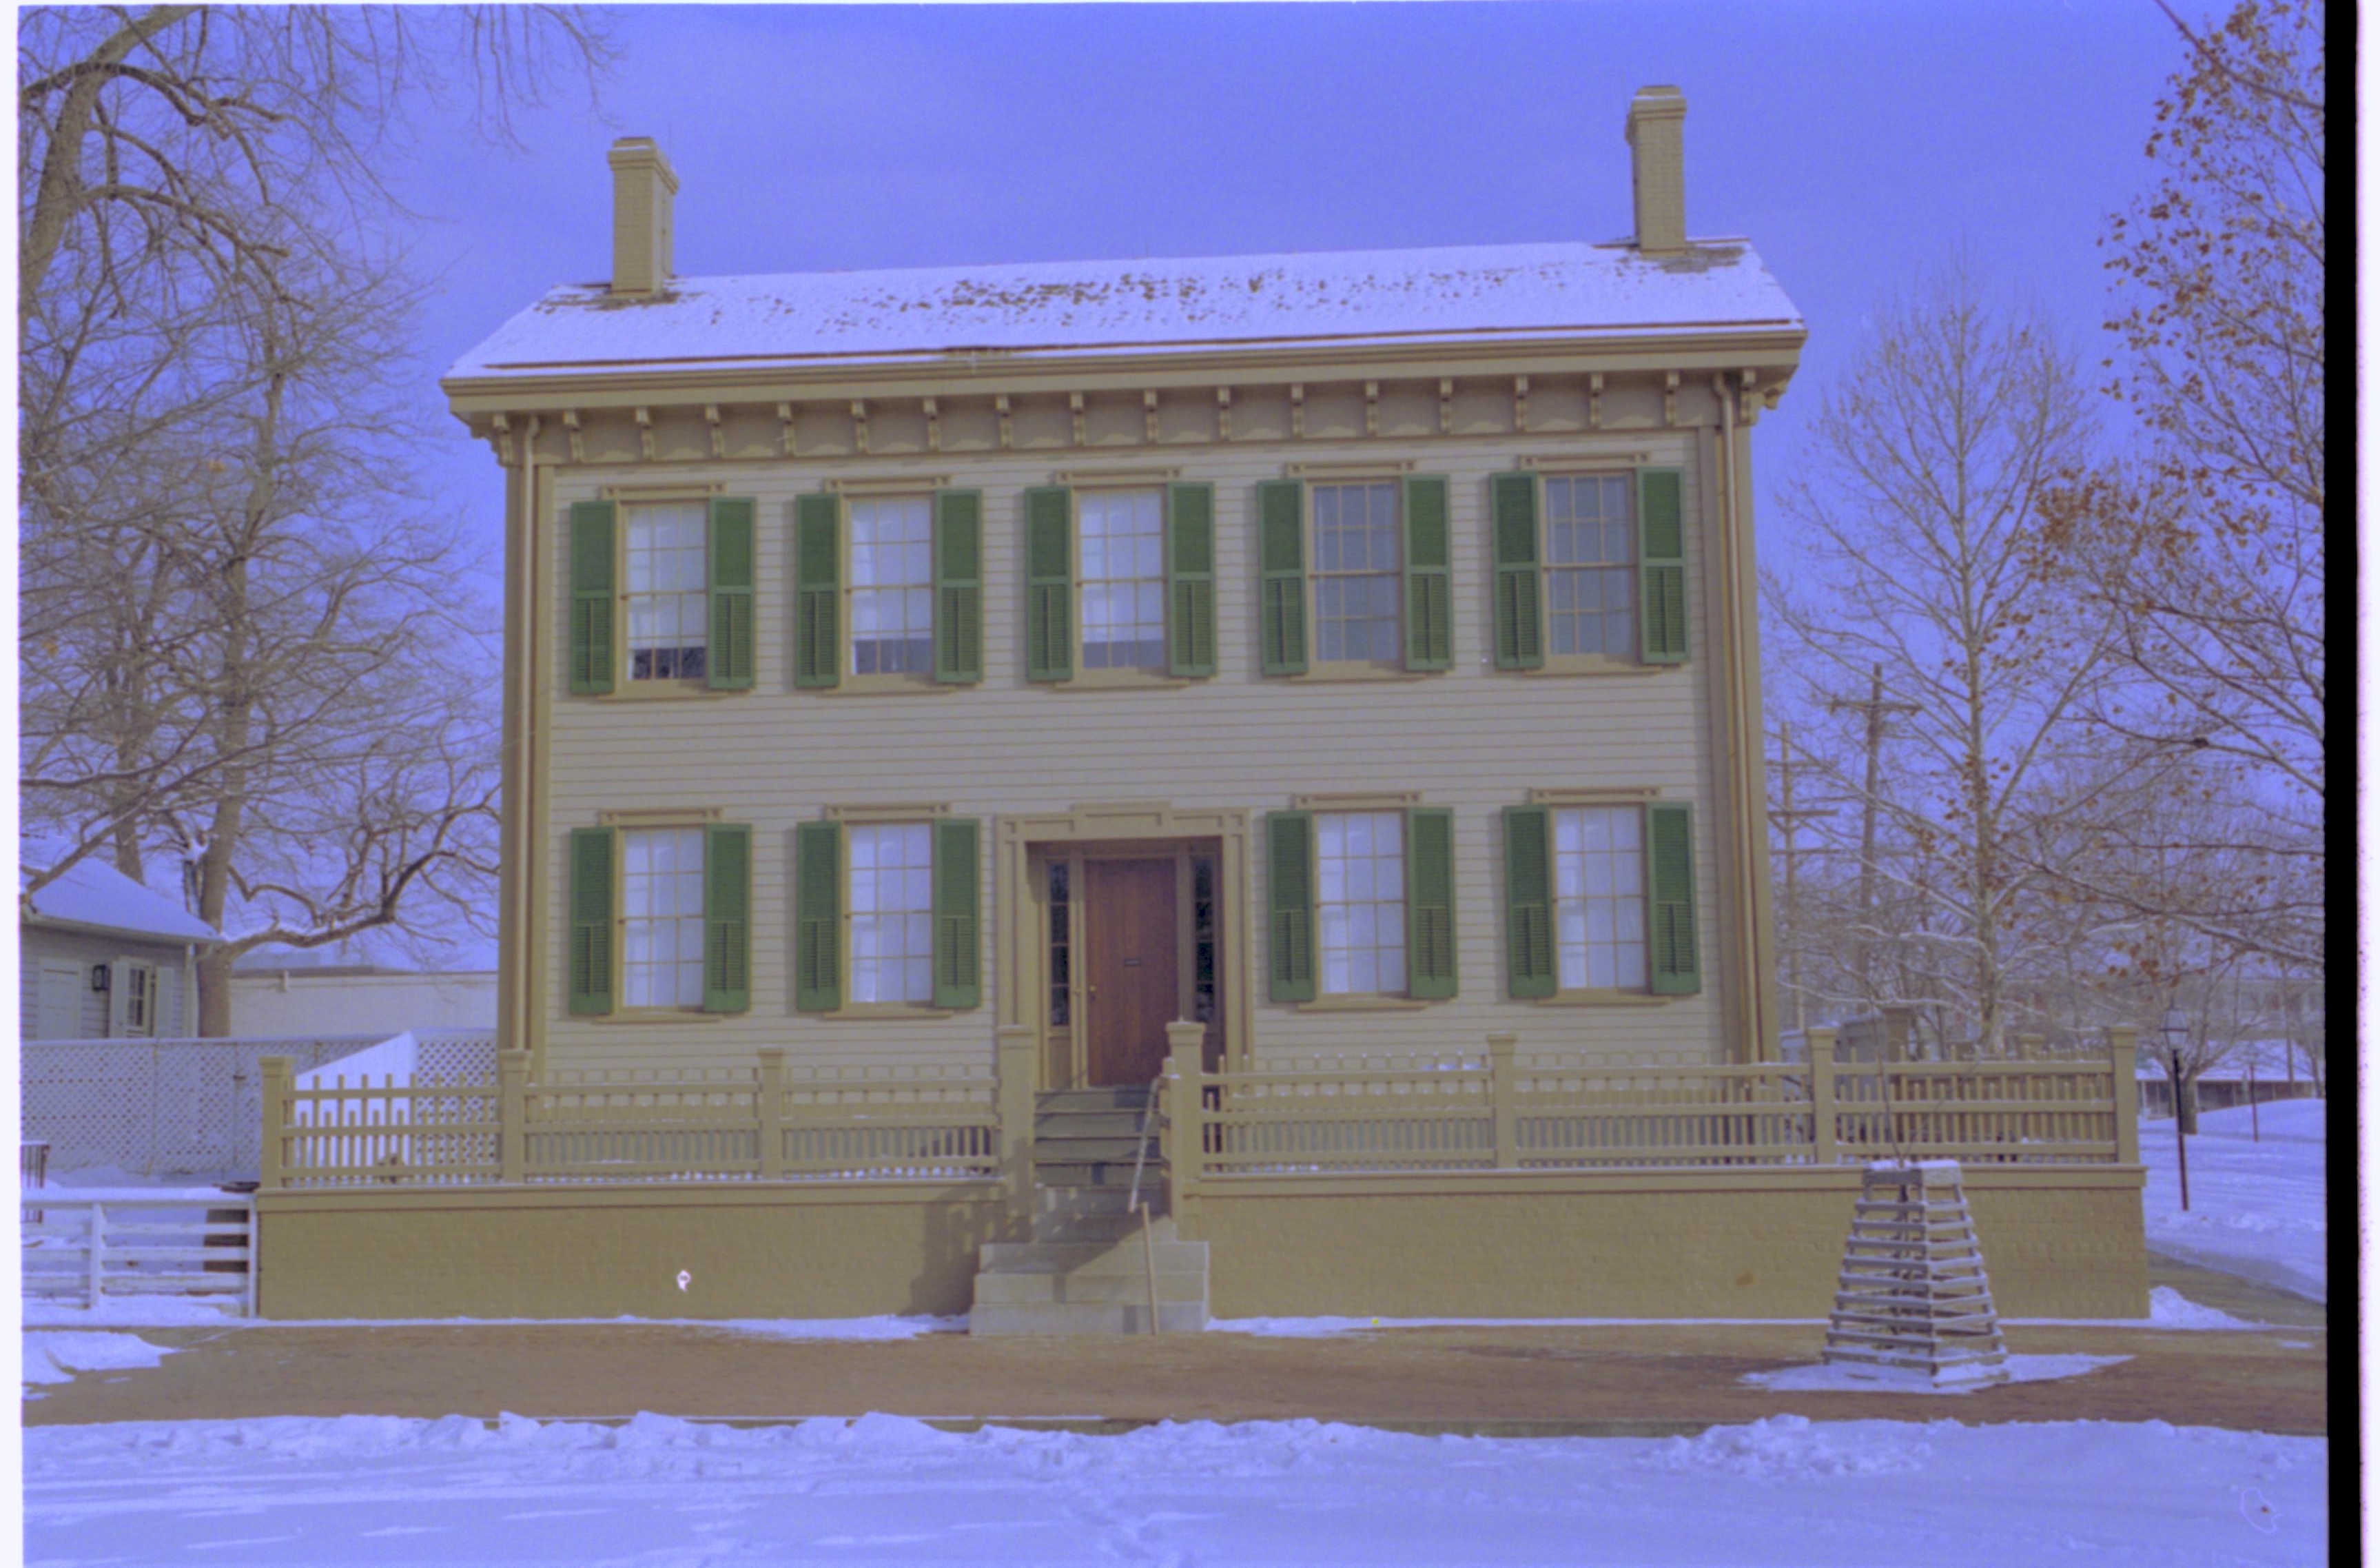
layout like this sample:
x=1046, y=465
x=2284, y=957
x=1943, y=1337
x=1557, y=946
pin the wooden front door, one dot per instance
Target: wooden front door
x=1134, y=959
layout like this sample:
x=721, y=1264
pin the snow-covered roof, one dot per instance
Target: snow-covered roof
x=1140, y=306
x=95, y=894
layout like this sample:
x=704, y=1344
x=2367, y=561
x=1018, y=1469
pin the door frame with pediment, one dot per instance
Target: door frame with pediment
x=1028, y=844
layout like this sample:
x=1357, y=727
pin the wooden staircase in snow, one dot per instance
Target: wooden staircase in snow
x=1912, y=1303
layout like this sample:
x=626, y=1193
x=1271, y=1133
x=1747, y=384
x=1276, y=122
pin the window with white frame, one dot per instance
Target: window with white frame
x=1600, y=897
x=138, y=1001
x=667, y=575
x=892, y=913
x=1360, y=859
x=661, y=901
x=1591, y=565
x=892, y=586
x=1358, y=572
x=1123, y=579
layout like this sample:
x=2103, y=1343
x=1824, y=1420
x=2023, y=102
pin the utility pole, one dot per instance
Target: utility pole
x=1875, y=708
x=1789, y=817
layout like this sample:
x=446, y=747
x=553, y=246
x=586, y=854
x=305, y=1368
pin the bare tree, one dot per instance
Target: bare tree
x=2205, y=551
x=1911, y=524
x=246, y=643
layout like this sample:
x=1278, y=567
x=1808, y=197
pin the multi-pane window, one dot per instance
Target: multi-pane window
x=1361, y=859
x=668, y=565
x=1591, y=565
x=140, y=982
x=661, y=902
x=1600, y=897
x=892, y=586
x=1061, y=947
x=1123, y=581
x=1358, y=576
x=892, y=913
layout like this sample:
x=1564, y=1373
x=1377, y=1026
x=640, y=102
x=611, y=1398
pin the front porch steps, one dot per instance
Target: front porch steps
x=1086, y=1270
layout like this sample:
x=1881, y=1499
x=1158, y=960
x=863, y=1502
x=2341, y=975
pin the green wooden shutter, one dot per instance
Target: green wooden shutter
x=958, y=924
x=593, y=604
x=1674, y=954
x=1429, y=581
x=818, y=917
x=593, y=852
x=1519, y=628
x=1529, y=900
x=1190, y=578
x=1430, y=902
x=1280, y=548
x=1289, y=893
x=817, y=590
x=1661, y=569
x=958, y=587
x=1048, y=583
x=733, y=572
x=726, y=918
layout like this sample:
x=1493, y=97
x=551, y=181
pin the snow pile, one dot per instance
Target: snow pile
x=55, y=1359
x=2257, y=1210
x=134, y=1312
x=1834, y=1378
x=1785, y=1492
x=2168, y=1309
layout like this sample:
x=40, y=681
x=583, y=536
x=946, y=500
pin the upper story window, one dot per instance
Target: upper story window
x=1123, y=579
x=1358, y=574
x=892, y=586
x=893, y=913
x=1591, y=567
x=662, y=594
x=888, y=591
x=666, y=574
x=1353, y=574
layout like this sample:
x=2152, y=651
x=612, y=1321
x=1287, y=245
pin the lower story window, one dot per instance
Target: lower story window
x=1600, y=897
x=140, y=982
x=1360, y=857
x=892, y=913
x=661, y=901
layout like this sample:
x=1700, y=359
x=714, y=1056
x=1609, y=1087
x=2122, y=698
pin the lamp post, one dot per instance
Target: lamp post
x=2176, y=1030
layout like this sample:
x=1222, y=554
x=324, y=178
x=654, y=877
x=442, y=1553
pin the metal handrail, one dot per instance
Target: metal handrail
x=1132, y=1204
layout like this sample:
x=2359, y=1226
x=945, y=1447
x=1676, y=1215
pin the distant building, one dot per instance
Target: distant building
x=100, y=955
x=276, y=995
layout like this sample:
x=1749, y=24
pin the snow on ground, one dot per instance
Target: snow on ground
x=56, y=1358
x=1315, y=1328
x=1833, y=1377
x=656, y=1491
x=2256, y=1208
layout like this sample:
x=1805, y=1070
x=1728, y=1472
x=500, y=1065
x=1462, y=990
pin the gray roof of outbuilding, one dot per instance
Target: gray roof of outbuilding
x=1139, y=306
x=95, y=894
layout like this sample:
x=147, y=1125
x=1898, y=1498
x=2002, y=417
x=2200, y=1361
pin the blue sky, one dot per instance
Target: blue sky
x=1853, y=142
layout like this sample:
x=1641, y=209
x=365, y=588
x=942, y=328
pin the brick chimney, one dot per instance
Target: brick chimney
x=643, y=186
x=1656, y=124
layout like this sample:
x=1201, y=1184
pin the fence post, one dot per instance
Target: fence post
x=1013, y=1102
x=1186, y=1109
x=769, y=1111
x=2123, y=1041
x=512, y=1115
x=2029, y=1047
x=1502, y=1087
x=1824, y=1150
x=271, y=1155
x=98, y=1246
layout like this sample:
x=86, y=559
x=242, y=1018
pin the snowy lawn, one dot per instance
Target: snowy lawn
x=884, y=1489
x=2256, y=1210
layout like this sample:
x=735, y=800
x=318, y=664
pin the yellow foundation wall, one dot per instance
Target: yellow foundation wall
x=1699, y=1245
x=749, y=1252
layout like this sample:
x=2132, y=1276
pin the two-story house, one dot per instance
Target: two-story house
x=1349, y=652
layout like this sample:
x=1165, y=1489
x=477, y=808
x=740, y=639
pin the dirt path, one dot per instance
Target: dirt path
x=1640, y=1378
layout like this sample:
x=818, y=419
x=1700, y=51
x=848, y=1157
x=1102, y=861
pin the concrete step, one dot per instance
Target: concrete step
x=1011, y=1289
x=1092, y=1151
x=1085, y=1200
x=1067, y=1318
x=1086, y=1124
x=1116, y=1174
x=1074, y=1099
x=1122, y=1256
